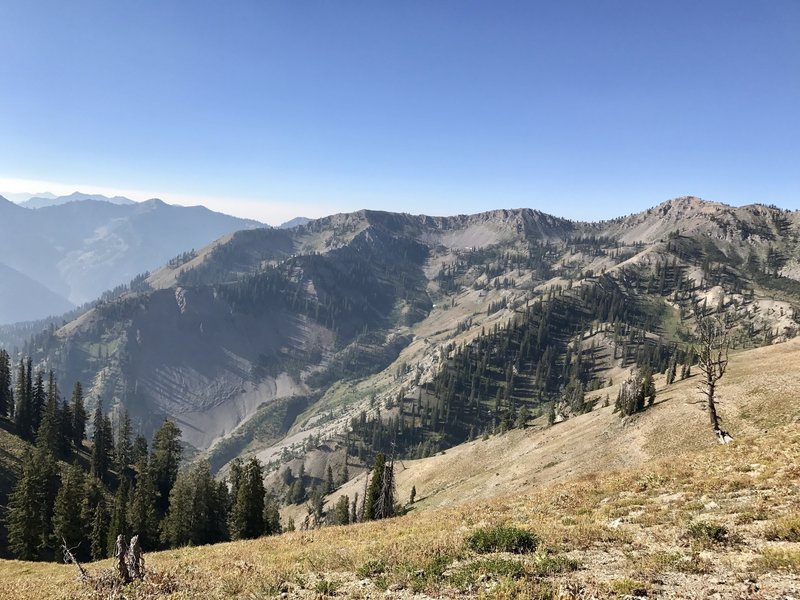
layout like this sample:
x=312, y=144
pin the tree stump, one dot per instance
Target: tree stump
x=135, y=559
x=120, y=559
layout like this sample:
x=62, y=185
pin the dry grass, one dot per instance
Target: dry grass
x=615, y=533
x=590, y=531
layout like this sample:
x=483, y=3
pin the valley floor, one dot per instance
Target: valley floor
x=651, y=508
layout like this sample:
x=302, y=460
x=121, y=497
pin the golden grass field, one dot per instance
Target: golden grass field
x=654, y=508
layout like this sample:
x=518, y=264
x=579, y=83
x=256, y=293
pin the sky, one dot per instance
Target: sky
x=271, y=110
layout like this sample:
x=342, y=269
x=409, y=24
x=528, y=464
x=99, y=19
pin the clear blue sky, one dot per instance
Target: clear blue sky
x=584, y=109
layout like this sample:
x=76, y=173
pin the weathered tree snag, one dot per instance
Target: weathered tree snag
x=713, y=335
x=120, y=559
x=135, y=559
x=69, y=557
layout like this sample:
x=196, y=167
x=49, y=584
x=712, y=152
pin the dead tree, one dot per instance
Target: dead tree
x=120, y=559
x=69, y=557
x=135, y=559
x=713, y=343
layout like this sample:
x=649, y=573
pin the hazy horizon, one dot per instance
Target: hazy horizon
x=274, y=110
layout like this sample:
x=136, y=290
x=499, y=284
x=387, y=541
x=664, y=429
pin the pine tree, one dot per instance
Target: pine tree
x=329, y=485
x=23, y=516
x=29, y=516
x=140, y=451
x=218, y=513
x=123, y=450
x=95, y=514
x=341, y=513
x=297, y=493
x=374, y=491
x=6, y=393
x=100, y=458
x=142, y=516
x=65, y=422
x=179, y=527
x=47, y=436
x=196, y=511
x=38, y=401
x=118, y=524
x=22, y=414
x=79, y=416
x=68, y=524
x=165, y=460
x=272, y=515
x=247, y=518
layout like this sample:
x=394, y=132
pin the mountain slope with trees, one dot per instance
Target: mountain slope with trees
x=378, y=332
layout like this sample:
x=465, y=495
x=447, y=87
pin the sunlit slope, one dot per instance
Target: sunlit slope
x=648, y=527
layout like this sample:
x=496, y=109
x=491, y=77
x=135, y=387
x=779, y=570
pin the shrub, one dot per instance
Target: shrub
x=502, y=538
x=786, y=529
x=707, y=533
x=544, y=564
x=467, y=577
x=371, y=568
x=779, y=559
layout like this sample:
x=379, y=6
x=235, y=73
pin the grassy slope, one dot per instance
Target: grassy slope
x=610, y=531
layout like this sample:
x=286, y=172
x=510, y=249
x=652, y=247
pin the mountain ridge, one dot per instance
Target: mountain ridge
x=37, y=202
x=370, y=291
x=81, y=249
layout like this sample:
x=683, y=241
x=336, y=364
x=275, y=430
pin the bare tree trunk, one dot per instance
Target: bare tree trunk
x=120, y=559
x=70, y=558
x=712, y=407
x=135, y=559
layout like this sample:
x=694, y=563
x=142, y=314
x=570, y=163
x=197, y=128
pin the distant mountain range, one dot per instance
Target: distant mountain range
x=69, y=252
x=20, y=197
x=50, y=200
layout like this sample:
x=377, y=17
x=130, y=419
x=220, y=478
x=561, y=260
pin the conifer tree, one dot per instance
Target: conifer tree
x=140, y=451
x=22, y=414
x=118, y=524
x=374, y=491
x=123, y=450
x=165, y=460
x=47, y=436
x=272, y=515
x=6, y=394
x=329, y=485
x=79, y=416
x=29, y=516
x=100, y=458
x=65, y=421
x=142, y=516
x=234, y=478
x=247, y=519
x=341, y=513
x=196, y=511
x=23, y=517
x=38, y=401
x=95, y=514
x=68, y=524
